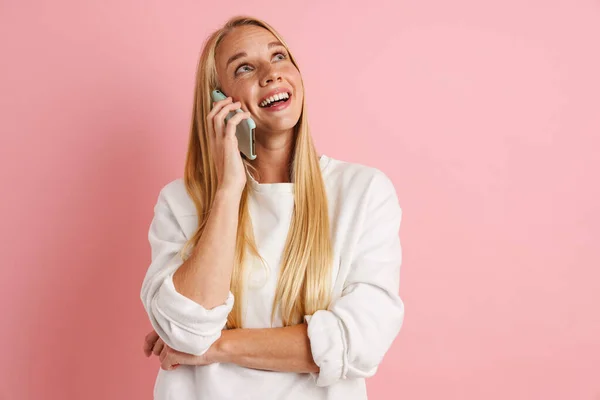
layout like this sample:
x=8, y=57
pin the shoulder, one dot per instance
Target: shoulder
x=174, y=195
x=357, y=179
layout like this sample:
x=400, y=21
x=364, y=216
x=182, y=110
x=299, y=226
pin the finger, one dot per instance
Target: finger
x=217, y=106
x=217, y=124
x=169, y=367
x=219, y=119
x=234, y=122
x=151, y=337
x=149, y=342
x=147, y=349
x=166, y=361
x=158, y=347
x=163, y=353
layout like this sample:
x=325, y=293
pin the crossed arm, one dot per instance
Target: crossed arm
x=347, y=340
x=273, y=349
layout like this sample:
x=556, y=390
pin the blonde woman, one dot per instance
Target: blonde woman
x=275, y=278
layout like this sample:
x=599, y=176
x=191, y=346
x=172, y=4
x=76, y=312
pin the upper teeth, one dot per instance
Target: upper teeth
x=278, y=96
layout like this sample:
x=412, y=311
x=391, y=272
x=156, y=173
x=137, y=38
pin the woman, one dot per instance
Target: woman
x=275, y=278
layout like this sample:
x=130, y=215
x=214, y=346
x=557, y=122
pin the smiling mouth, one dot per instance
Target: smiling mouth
x=276, y=99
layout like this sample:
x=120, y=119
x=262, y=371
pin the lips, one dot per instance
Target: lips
x=277, y=106
x=272, y=93
x=276, y=101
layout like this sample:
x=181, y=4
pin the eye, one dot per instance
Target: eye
x=284, y=56
x=242, y=67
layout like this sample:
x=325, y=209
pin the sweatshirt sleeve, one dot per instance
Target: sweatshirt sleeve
x=183, y=324
x=350, y=338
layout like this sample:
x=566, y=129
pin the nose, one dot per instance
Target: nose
x=272, y=75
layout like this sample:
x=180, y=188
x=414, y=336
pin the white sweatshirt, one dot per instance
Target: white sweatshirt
x=348, y=340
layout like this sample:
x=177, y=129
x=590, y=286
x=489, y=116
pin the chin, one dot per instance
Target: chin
x=280, y=123
x=284, y=124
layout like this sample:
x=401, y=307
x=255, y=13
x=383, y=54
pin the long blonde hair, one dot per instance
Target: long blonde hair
x=304, y=279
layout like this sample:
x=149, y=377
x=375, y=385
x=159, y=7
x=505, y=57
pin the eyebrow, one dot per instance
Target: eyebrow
x=244, y=54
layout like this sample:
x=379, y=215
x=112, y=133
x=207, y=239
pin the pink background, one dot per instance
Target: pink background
x=486, y=115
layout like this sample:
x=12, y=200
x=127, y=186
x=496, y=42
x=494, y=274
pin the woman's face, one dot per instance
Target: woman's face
x=252, y=66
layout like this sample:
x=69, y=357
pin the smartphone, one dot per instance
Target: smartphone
x=244, y=131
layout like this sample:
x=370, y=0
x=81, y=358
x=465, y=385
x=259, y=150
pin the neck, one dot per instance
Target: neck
x=274, y=156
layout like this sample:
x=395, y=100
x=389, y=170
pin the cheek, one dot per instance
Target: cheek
x=296, y=78
x=299, y=90
x=296, y=81
x=242, y=91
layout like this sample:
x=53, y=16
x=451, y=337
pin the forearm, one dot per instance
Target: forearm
x=205, y=276
x=273, y=349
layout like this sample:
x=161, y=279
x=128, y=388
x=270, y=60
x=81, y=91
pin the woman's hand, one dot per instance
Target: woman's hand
x=152, y=344
x=231, y=172
x=170, y=358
